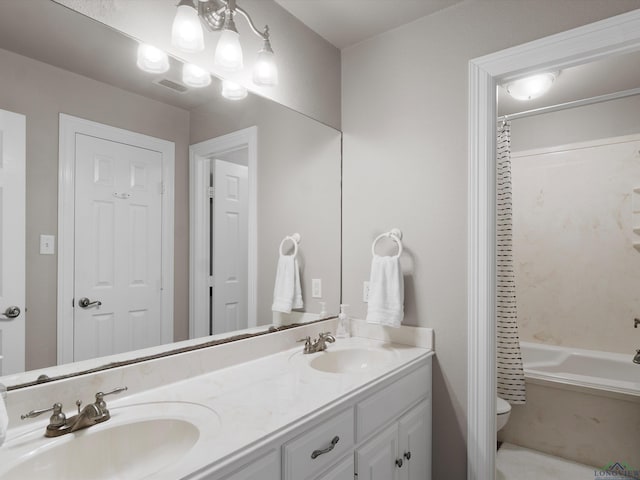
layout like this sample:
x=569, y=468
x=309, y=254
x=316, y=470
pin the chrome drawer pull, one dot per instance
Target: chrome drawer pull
x=334, y=442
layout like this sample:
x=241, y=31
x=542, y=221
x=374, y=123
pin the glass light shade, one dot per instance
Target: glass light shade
x=233, y=91
x=229, y=51
x=152, y=59
x=186, y=32
x=531, y=87
x=194, y=76
x=265, y=70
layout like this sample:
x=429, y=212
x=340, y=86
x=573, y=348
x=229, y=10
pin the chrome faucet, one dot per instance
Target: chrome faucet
x=318, y=345
x=90, y=415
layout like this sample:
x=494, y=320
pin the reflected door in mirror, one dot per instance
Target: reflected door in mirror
x=12, y=237
x=118, y=247
x=230, y=246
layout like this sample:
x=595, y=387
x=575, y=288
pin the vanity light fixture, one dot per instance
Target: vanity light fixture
x=233, y=91
x=531, y=87
x=218, y=16
x=186, y=32
x=152, y=59
x=194, y=76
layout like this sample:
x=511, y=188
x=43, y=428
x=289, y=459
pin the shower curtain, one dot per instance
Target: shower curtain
x=510, y=381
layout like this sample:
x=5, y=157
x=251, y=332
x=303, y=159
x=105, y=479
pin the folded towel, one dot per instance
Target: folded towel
x=287, y=293
x=4, y=418
x=386, y=292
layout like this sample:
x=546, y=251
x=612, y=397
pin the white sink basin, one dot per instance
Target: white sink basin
x=352, y=360
x=139, y=441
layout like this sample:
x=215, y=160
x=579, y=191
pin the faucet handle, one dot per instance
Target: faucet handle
x=305, y=339
x=101, y=404
x=57, y=418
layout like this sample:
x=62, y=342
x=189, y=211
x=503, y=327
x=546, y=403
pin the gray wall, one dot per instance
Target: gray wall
x=298, y=191
x=309, y=66
x=601, y=120
x=42, y=92
x=404, y=123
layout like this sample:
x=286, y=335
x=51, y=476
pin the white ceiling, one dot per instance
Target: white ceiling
x=347, y=22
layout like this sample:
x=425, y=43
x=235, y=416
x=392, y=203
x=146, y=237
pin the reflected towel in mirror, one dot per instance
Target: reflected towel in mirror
x=287, y=294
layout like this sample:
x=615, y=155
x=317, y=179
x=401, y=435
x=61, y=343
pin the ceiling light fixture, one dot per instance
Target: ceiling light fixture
x=218, y=16
x=152, y=59
x=233, y=91
x=194, y=76
x=531, y=87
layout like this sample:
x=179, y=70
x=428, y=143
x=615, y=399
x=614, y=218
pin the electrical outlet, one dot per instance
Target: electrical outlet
x=316, y=288
x=365, y=292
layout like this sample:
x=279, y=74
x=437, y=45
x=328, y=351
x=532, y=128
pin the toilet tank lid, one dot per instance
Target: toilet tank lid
x=502, y=406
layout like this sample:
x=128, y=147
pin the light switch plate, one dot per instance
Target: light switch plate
x=316, y=288
x=47, y=244
x=365, y=291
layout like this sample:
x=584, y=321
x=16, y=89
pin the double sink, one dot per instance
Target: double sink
x=149, y=440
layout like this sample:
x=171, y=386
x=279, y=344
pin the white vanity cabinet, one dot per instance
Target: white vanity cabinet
x=401, y=451
x=265, y=468
x=382, y=432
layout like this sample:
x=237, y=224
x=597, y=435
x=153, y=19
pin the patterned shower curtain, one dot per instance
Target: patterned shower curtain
x=511, y=386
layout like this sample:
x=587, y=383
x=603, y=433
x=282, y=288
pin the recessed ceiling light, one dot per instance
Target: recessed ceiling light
x=531, y=87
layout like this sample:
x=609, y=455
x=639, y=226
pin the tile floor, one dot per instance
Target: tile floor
x=517, y=463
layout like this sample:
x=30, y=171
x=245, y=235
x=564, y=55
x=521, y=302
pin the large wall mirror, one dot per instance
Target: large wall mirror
x=155, y=212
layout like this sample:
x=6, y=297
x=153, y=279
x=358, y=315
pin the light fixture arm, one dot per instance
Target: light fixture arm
x=264, y=34
x=213, y=13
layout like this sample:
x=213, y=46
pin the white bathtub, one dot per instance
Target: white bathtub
x=613, y=373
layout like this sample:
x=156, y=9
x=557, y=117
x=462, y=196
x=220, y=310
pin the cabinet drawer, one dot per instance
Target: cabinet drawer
x=343, y=471
x=390, y=402
x=265, y=468
x=298, y=461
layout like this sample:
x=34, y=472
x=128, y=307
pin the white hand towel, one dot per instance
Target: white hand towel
x=287, y=293
x=386, y=292
x=4, y=418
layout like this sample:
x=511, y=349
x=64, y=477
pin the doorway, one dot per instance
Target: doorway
x=617, y=35
x=115, y=262
x=223, y=258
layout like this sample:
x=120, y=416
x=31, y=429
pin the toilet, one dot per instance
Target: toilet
x=503, y=410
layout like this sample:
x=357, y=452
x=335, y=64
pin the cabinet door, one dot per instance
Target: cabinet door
x=265, y=468
x=414, y=443
x=376, y=459
x=343, y=471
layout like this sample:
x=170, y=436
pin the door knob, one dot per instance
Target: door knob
x=84, y=302
x=12, y=312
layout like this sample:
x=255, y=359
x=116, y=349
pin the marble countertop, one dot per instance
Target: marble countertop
x=260, y=399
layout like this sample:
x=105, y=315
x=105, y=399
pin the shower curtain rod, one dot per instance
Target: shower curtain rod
x=573, y=104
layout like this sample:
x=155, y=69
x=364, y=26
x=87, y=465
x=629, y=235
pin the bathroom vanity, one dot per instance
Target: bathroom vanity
x=262, y=410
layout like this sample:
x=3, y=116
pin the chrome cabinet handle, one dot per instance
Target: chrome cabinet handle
x=84, y=302
x=407, y=455
x=399, y=462
x=334, y=442
x=12, y=312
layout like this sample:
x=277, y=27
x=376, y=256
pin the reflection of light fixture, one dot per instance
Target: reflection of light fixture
x=531, y=87
x=152, y=59
x=194, y=76
x=218, y=16
x=233, y=91
x=186, y=32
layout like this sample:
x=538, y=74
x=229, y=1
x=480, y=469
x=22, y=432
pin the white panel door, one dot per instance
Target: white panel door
x=118, y=247
x=376, y=459
x=414, y=447
x=12, y=238
x=230, y=246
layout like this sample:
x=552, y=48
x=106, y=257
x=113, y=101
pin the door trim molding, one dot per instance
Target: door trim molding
x=616, y=35
x=69, y=127
x=199, y=153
